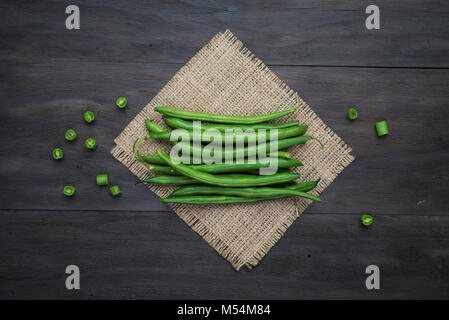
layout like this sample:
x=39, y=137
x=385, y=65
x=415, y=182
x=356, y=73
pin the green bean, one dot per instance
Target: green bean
x=304, y=186
x=352, y=114
x=153, y=127
x=229, y=167
x=151, y=159
x=168, y=179
x=177, y=123
x=216, y=199
x=260, y=192
x=205, y=189
x=70, y=135
x=282, y=134
x=229, y=180
x=221, y=118
x=253, y=149
x=57, y=153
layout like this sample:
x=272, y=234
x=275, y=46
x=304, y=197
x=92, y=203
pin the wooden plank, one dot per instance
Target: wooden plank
x=401, y=173
x=155, y=255
x=412, y=34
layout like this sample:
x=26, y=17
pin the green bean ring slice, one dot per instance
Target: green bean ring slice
x=352, y=114
x=89, y=116
x=121, y=102
x=57, y=153
x=69, y=191
x=70, y=135
x=91, y=143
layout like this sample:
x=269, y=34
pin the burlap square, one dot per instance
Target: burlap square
x=225, y=77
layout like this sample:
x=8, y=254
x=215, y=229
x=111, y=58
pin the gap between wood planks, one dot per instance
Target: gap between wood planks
x=170, y=211
x=7, y=61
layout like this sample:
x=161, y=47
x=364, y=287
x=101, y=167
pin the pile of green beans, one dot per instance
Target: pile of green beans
x=227, y=183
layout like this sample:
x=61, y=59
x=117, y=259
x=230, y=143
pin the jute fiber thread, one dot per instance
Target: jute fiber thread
x=225, y=77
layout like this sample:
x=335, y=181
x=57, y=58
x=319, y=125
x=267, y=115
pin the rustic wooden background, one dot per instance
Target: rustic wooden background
x=135, y=247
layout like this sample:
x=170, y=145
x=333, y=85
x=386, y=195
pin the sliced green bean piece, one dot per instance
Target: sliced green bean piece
x=57, y=153
x=352, y=114
x=91, y=143
x=102, y=179
x=382, y=128
x=367, y=220
x=69, y=191
x=255, y=149
x=115, y=190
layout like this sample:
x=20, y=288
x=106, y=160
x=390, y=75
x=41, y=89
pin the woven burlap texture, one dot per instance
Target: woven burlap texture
x=225, y=77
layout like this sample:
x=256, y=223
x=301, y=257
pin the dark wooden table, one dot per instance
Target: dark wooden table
x=135, y=247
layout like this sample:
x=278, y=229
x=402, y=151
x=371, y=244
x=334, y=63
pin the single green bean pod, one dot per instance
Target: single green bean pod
x=69, y=191
x=188, y=125
x=153, y=127
x=89, y=116
x=121, y=102
x=115, y=190
x=57, y=153
x=91, y=143
x=366, y=219
x=221, y=118
x=168, y=179
x=102, y=179
x=228, y=180
x=241, y=136
x=251, y=192
x=216, y=199
x=352, y=114
x=70, y=135
x=382, y=128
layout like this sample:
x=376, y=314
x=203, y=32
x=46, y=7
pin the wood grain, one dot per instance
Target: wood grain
x=120, y=256
x=390, y=175
x=412, y=34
